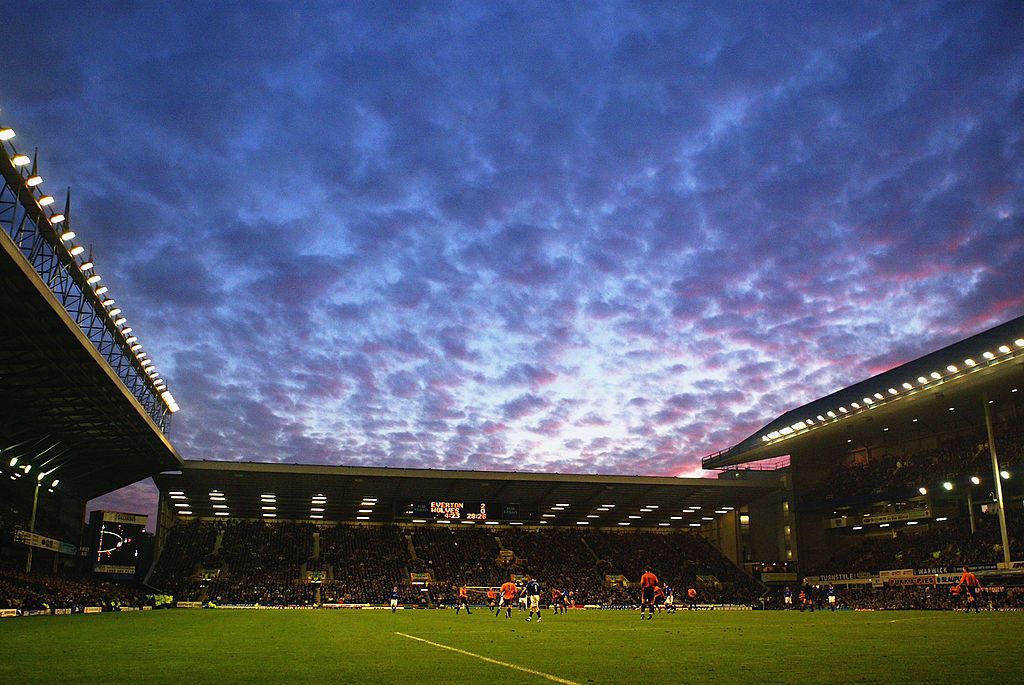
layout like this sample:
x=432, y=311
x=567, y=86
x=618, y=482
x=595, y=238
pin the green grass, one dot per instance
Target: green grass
x=235, y=646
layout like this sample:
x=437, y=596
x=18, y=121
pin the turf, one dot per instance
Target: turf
x=234, y=646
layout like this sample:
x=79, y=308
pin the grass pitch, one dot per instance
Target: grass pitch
x=246, y=646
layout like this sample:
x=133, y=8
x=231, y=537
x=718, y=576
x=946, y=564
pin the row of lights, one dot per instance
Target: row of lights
x=33, y=182
x=975, y=480
x=878, y=398
x=25, y=469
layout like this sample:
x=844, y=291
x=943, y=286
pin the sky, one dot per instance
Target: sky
x=589, y=237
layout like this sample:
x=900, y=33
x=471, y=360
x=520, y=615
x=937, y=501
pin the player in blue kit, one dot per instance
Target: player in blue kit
x=532, y=593
x=394, y=599
x=831, y=594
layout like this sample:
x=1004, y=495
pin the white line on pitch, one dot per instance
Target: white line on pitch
x=915, y=618
x=492, y=661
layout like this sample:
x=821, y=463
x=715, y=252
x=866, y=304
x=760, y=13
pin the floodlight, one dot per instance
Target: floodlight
x=947, y=485
x=923, y=490
x=33, y=181
x=57, y=218
x=76, y=250
x=95, y=278
x=20, y=159
x=6, y=133
x=1005, y=475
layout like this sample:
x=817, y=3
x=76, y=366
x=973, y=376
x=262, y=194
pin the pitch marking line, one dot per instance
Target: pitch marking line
x=915, y=618
x=492, y=661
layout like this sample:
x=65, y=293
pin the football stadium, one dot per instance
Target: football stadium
x=835, y=527
x=874, y=534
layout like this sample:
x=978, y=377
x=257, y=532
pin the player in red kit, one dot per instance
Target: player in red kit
x=648, y=581
x=971, y=587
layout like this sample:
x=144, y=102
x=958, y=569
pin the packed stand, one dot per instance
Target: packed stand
x=366, y=562
x=262, y=563
x=559, y=558
x=186, y=546
x=949, y=543
x=458, y=555
x=677, y=559
x=38, y=592
x=895, y=474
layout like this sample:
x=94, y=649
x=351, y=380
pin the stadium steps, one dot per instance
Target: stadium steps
x=316, y=545
x=217, y=543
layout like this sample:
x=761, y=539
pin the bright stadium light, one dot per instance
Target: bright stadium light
x=6, y=133
x=947, y=485
x=85, y=266
x=951, y=369
x=975, y=480
x=55, y=482
x=936, y=375
x=1005, y=475
x=20, y=159
x=120, y=321
x=115, y=311
x=970, y=362
x=76, y=250
x=1019, y=342
x=34, y=180
x=1005, y=349
x=131, y=339
x=57, y=218
x=987, y=355
x=923, y=490
x=878, y=395
x=95, y=278
x=45, y=200
x=922, y=380
x=14, y=461
x=908, y=386
x=894, y=391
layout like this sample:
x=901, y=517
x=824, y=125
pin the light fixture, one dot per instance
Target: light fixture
x=33, y=181
x=987, y=355
x=45, y=200
x=95, y=278
x=56, y=218
x=20, y=159
x=85, y=266
x=120, y=321
x=107, y=301
x=975, y=480
x=947, y=485
x=1005, y=475
x=6, y=133
x=908, y=386
x=970, y=362
x=936, y=375
x=923, y=490
x=115, y=311
x=76, y=250
x=131, y=338
x=1004, y=349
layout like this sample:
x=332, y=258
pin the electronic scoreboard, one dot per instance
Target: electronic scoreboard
x=115, y=541
x=468, y=511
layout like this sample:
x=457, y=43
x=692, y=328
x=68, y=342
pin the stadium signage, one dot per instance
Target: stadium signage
x=844, y=576
x=899, y=516
x=113, y=569
x=42, y=542
x=189, y=605
x=897, y=573
x=1011, y=565
x=7, y=613
x=130, y=519
x=92, y=610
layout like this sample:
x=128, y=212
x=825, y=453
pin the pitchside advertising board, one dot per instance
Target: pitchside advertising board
x=115, y=539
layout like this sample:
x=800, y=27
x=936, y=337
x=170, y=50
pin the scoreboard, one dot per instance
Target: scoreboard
x=115, y=541
x=467, y=511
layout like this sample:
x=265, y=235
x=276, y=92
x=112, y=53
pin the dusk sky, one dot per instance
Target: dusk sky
x=577, y=237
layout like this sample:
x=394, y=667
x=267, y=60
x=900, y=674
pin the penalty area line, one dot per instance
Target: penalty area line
x=489, y=660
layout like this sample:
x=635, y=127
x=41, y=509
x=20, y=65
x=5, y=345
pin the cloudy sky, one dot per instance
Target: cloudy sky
x=581, y=237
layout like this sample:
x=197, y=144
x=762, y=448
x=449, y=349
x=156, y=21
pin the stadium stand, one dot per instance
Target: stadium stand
x=34, y=592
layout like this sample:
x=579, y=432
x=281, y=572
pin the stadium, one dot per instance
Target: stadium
x=874, y=534
x=872, y=497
